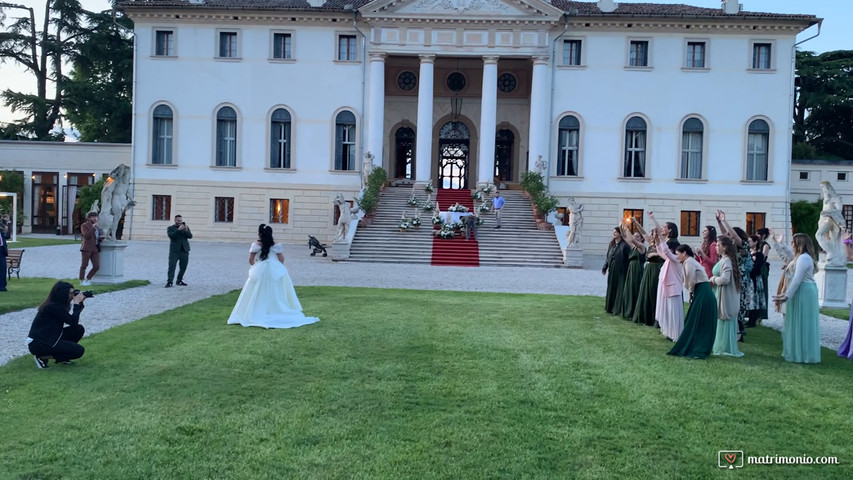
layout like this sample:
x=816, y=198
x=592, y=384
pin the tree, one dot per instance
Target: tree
x=823, y=108
x=98, y=93
x=42, y=52
x=12, y=181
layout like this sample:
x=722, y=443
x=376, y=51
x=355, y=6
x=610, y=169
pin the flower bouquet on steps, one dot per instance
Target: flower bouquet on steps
x=413, y=200
x=446, y=232
x=457, y=207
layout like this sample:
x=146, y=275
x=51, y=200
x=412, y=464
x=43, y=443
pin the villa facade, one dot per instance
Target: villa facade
x=251, y=112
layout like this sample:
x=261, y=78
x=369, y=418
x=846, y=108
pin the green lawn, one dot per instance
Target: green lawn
x=841, y=313
x=28, y=242
x=30, y=292
x=394, y=384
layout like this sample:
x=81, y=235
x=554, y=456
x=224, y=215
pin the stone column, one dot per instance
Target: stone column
x=423, y=146
x=488, y=122
x=539, y=121
x=376, y=108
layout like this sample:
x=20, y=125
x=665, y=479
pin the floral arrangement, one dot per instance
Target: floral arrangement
x=457, y=226
x=457, y=207
x=429, y=188
x=436, y=219
x=428, y=207
x=416, y=222
x=445, y=232
x=477, y=195
x=484, y=207
x=404, y=222
x=480, y=221
x=413, y=200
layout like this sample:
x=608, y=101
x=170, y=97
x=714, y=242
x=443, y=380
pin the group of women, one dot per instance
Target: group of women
x=727, y=280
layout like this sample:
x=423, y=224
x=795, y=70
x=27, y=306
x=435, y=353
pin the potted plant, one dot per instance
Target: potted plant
x=416, y=222
x=429, y=188
x=532, y=183
x=404, y=223
x=413, y=200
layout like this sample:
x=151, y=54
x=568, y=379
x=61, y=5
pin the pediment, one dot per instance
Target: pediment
x=444, y=10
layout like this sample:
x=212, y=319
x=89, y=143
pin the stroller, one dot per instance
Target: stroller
x=315, y=246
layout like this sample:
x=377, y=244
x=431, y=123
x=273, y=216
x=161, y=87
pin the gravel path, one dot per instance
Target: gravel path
x=217, y=268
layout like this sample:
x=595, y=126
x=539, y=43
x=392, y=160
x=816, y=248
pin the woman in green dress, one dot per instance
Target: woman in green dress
x=616, y=269
x=636, y=260
x=726, y=282
x=644, y=310
x=700, y=323
x=801, y=332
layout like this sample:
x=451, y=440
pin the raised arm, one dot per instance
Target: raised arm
x=654, y=220
x=784, y=251
x=725, y=228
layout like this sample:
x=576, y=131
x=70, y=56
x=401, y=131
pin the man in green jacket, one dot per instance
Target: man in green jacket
x=179, y=249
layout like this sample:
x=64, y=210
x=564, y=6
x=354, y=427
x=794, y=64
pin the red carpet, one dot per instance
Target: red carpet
x=457, y=251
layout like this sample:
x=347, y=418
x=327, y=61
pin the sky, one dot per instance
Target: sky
x=837, y=15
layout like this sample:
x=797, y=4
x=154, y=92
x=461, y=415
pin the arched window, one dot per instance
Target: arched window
x=691, y=148
x=161, y=145
x=345, y=141
x=567, y=153
x=757, y=147
x=280, y=139
x=226, y=137
x=635, y=148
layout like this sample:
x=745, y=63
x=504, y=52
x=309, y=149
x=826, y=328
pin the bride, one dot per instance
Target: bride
x=268, y=299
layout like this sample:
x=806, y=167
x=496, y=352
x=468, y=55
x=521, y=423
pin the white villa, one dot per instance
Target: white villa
x=251, y=111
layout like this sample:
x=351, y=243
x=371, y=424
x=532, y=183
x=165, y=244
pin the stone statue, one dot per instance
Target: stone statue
x=115, y=200
x=831, y=226
x=366, y=168
x=347, y=215
x=573, y=238
x=540, y=165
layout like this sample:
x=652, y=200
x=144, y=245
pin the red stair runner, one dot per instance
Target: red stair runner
x=456, y=251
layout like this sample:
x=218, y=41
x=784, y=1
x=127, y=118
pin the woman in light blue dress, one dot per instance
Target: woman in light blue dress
x=726, y=281
x=268, y=299
x=801, y=331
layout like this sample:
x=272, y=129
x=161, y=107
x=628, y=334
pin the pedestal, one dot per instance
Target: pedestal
x=340, y=250
x=831, y=286
x=112, y=263
x=573, y=257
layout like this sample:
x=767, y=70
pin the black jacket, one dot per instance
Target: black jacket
x=48, y=324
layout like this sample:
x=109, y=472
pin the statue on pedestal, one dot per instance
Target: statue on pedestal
x=573, y=238
x=366, y=168
x=831, y=226
x=347, y=215
x=115, y=200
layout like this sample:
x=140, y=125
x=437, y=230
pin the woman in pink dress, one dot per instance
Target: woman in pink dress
x=707, y=253
x=669, y=311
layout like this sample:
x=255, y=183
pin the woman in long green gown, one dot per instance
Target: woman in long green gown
x=644, y=310
x=616, y=269
x=700, y=323
x=801, y=332
x=636, y=261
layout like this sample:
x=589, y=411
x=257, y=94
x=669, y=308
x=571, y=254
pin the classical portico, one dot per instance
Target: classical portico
x=458, y=92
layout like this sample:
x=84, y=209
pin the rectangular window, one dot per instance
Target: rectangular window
x=224, y=209
x=347, y=133
x=841, y=177
x=638, y=55
x=571, y=52
x=568, y=161
x=691, y=155
x=226, y=143
x=756, y=156
x=695, y=55
x=228, y=45
x=279, y=210
x=161, y=153
x=804, y=175
x=754, y=221
x=347, y=48
x=847, y=212
x=281, y=46
x=690, y=223
x=636, y=215
x=761, y=56
x=161, y=207
x=164, y=44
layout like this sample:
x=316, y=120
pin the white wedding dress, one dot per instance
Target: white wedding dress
x=268, y=299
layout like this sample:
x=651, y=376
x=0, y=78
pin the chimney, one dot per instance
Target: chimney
x=731, y=7
x=607, y=6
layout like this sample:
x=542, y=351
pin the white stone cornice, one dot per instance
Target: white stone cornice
x=279, y=18
x=682, y=25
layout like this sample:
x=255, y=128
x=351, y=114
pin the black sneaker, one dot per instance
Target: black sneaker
x=40, y=362
x=181, y=283
x=168, y=284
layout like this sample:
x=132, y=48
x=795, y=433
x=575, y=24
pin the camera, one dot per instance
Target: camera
x=86, y=293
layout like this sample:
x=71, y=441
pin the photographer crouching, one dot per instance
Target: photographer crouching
x=48, y=336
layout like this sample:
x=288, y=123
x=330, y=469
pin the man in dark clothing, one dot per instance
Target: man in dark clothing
x=179, y=249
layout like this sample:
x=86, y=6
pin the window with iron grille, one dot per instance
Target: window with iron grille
x=279, y=210
x=754, y=221
x=690, y=223
x=161, y=207
x=223, y=209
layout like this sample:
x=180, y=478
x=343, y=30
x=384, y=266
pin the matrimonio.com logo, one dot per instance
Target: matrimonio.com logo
x=730, y=459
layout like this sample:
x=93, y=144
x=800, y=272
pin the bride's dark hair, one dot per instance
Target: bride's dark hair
x=265, y=238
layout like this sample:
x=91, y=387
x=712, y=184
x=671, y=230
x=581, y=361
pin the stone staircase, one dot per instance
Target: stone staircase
x=517, y=243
